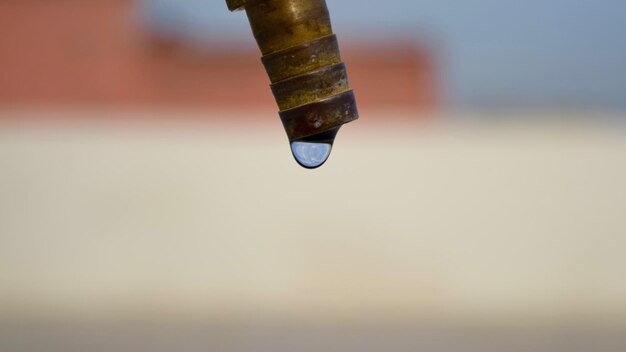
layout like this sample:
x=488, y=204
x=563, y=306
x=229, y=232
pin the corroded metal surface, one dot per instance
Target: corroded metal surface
x=281, y=24
x=302, y=59
x=311, y=87
x=321, y=116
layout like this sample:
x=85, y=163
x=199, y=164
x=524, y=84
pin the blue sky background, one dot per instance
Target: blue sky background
x=549, y=53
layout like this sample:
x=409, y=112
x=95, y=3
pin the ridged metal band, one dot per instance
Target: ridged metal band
x=311, y=87
x=303, y=58
x=281, y=24
x=321, y=116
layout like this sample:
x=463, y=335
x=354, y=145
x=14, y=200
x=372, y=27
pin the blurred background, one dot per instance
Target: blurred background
x=149, y=199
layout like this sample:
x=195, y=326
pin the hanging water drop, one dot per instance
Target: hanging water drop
x=312, y=152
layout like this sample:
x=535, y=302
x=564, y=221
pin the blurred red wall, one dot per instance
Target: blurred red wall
x=66, y=52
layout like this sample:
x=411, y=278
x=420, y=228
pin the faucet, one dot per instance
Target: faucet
x=308, y=78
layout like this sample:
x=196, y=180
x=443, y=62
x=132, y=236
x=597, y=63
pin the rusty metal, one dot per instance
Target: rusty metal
x=302, y=59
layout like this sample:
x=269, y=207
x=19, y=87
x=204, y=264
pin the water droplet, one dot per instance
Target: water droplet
x=312, y=152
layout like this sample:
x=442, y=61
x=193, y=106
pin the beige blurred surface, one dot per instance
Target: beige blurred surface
x=456, y=223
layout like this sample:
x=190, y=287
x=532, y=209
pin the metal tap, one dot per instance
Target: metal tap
x=308, y=78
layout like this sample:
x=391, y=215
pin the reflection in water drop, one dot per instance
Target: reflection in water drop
x=313, y=151
x=311, y=154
